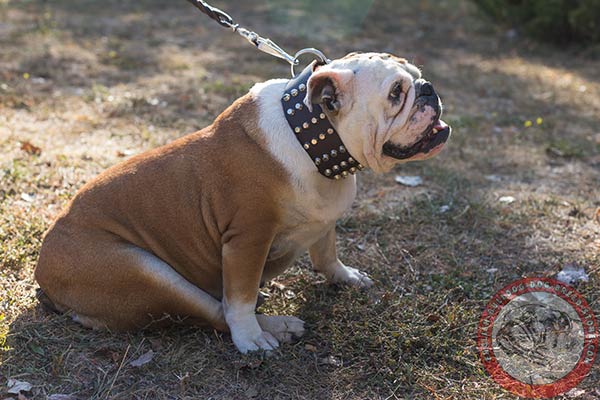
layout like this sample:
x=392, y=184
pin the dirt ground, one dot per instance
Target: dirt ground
x=86, y=84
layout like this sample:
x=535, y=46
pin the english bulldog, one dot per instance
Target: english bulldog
x=190, y=230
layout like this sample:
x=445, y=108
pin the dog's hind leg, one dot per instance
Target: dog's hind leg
x=119, y=286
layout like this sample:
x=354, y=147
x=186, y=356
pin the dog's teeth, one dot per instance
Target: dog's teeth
x=435, y=131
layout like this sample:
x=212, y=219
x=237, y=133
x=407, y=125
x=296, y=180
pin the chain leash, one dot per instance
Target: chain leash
x=263, y=44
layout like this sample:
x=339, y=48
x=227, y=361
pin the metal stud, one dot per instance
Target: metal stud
x=314, y=120
x=325, y=157
x=328, y=172
x=336, y=168
x=337, y=177
x=305, y=125
x=286, y=97
x=361, y=167
x=298, y=106
x=306, y=146
x=322, y=116
x=297, y=129
x=314, y=142
x=330, y=131
x=334, y=153
x=342, y=149
x=353, y=170
x=322, y=137
x=351, y=160
x=302, y=87
x=291, y=111
x=344, y=164
x=344, y=174
x=317, y=161
x=294, y=92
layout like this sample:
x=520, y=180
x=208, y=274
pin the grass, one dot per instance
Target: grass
x=90, y=84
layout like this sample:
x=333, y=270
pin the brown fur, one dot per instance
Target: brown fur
x=207, y=206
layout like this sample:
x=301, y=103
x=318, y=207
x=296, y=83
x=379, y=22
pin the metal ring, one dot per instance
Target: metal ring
x=309, y=50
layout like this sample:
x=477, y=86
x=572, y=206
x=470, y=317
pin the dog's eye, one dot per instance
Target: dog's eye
x=396, y=92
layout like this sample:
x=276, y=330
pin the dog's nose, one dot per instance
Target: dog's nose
x=424, y=88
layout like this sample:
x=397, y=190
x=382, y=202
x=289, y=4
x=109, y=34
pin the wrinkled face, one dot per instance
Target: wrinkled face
x=384, y=112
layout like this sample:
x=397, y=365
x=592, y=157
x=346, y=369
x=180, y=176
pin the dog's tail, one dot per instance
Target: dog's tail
x=46, y=302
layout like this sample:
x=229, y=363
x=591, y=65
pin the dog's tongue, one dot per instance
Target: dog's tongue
x=440, y=125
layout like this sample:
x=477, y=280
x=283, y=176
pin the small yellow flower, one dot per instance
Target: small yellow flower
x=112, y=54
x=539, y=121
x=528, y=124
x=26, y=75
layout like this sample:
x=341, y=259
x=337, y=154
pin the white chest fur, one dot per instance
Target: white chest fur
x=317, y=199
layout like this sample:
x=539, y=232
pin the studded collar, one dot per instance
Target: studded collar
x=315, y=133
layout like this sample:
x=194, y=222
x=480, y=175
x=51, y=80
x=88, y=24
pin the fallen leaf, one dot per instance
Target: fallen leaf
x=21, y=396
x=61, y=397
x=143, y=359
x=597, y=215
x=310, y=348
x=411, y=181
x=16, y=387
x=433, y=318
x=27, y=197
x=125, y=153
x=331, y=360
x=572, y=273
x=493, y=178
x=573, y=393
x=277, y=285
x=252, y=391
x=553, y=151
x=30, y=148
x=507, y=199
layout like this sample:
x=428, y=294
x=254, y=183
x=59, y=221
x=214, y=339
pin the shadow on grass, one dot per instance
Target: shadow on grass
x=414, y=332
x=435, y=271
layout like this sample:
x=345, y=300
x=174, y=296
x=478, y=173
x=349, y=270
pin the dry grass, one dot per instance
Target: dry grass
x=93, y=82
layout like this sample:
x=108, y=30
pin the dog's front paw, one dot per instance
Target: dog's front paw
x=246, y=333
x=285, y=329
x=261, y=340
x=351, y=276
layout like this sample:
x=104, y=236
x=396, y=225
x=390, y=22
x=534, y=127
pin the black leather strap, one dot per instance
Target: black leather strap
x=315, y=133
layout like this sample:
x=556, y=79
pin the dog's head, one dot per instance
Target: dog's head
x=384, y=112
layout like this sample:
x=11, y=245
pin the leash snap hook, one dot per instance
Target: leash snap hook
x=310, y=50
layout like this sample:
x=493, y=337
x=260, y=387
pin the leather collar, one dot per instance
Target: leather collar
x=315, y=133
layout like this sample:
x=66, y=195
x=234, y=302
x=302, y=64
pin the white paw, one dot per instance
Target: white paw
x=246, y=334
x=285, y=329
x=351, y=276
x=260, y=341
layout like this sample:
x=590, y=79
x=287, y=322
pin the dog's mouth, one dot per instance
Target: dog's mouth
x=436, y=135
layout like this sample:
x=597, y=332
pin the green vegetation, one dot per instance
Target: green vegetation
x=557, y=21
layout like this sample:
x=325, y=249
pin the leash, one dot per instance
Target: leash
x=263, y=44
x=312, y=129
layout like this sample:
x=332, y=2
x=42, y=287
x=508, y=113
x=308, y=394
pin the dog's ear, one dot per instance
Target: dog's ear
x=327, y=88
